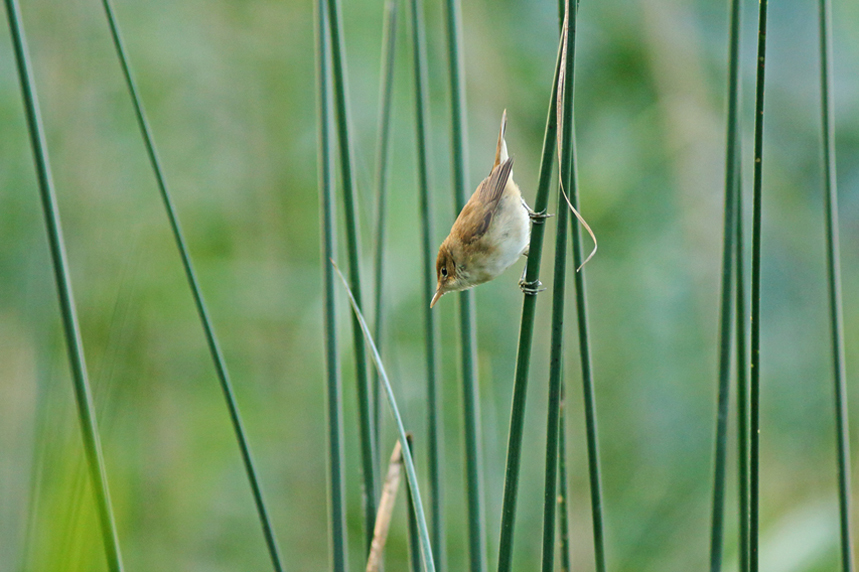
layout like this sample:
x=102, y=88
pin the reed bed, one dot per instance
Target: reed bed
x=614, y=495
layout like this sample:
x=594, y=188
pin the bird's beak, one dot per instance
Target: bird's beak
x=438, y=294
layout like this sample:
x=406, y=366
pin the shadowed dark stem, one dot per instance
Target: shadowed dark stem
x=725, y=311
x=383, y=153
x=526, y=336
x=214, y=348
x=334, y=391
x=755, y=334
x=434, y=424
x=365, y=414
x=467, y=319
x=71, y=330
x=833, y=267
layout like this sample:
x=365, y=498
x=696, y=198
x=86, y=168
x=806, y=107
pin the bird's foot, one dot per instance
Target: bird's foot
x=531, y=288
x=536, y=217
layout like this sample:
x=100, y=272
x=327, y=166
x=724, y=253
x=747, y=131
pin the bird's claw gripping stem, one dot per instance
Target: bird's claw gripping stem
x=536, y=217
x=531, y=288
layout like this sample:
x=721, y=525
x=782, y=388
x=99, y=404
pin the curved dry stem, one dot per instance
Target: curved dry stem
x=562, y=79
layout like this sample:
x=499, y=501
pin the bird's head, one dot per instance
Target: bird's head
x=449, y=273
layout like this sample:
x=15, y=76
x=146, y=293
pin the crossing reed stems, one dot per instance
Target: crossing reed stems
x=414, y=533
x=411, y=474
x=333, y=386
x=556, y=351
x=526, y=335
x=365, y=409
x=585, y=360
x=383, y=152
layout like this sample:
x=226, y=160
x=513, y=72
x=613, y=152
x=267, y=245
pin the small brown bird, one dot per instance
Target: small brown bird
x=490, y=234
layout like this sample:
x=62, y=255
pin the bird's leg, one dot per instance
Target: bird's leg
x=530, y=288
x=536, y=217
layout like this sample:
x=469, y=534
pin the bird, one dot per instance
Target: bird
x=491, y=232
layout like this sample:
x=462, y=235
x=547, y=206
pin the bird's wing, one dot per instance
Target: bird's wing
x=476, y=216
x=501, y=147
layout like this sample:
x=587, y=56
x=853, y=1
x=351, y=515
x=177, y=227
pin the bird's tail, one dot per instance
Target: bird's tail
x=501, y=149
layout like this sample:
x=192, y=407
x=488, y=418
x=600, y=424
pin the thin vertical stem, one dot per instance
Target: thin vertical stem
x=725, y=312
x=582, y=323
x=334, y=392
x=467, y=319
x=457, y=109
x=556, y=352
x=435, y=453
x=833, y=265
x=71, y=329
x=214, y=348
x=563, y=494
x=742, y=323
x=414, y=533
x=755, y=365
x=556, y=361
x=383, y=153
x=365, y=414
x=526, y=335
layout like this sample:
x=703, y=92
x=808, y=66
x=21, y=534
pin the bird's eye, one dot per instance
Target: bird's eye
x=443, y=271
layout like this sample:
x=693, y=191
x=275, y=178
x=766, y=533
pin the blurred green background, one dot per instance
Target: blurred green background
x=229, y=87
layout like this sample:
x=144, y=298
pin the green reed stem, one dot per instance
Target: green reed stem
x=214, y=348
x=467, y=318
x=732, y=157
x=365, y=414
x=583, y=329
x=457, y=92
x=435, y=452
x=383, y=153
x=833, y=267
x=742, y=323
x=414, y=533
x=423, y=532
x=556, y=359
x=526, y=335
x=71, y=329
x=414, y=538
x=334, y=391
x=556, y=352
x=755, y=365
x=563, y=494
